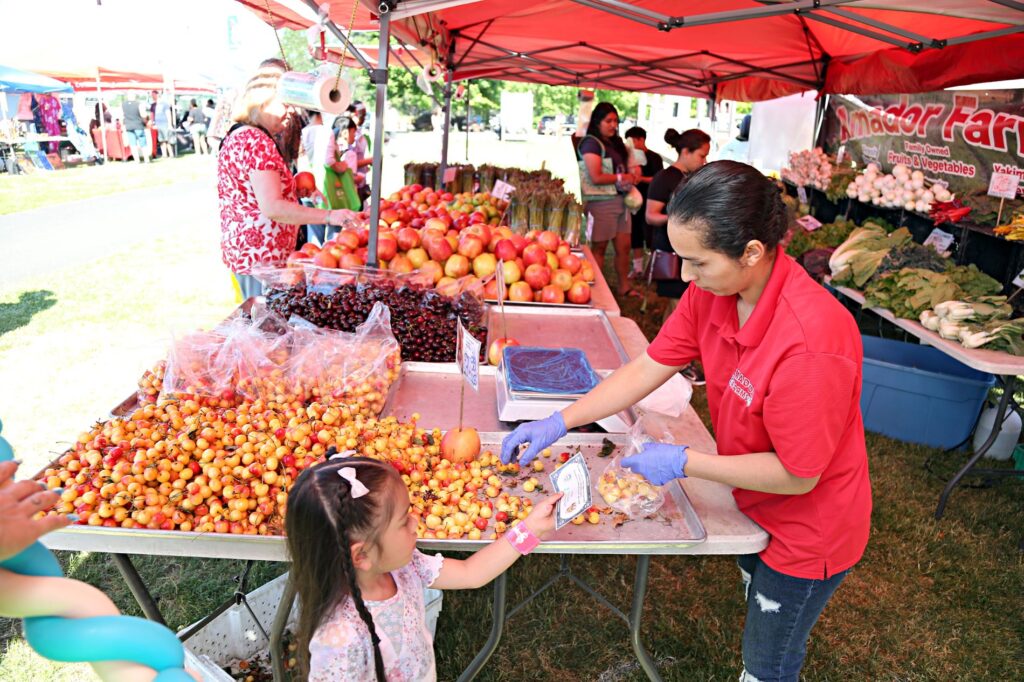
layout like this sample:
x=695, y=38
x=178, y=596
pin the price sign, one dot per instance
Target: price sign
x=939, y=240
x=801, y=194
x=502, y=189
x=469, y=360
x=841, y=154
x=809, y=223
x=1004, y=185
x=1018, y=281
x=449, y=175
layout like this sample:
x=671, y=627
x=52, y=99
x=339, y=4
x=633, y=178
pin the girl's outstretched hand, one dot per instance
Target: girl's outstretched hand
x=541, y=521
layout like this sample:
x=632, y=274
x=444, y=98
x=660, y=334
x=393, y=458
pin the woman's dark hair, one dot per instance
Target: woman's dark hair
x=194, y=103
x=731, y=204
x=209, y=102
x=322, y=522
x=599, y=114
x=690, y=140
x=744, y=129
x=636, y=131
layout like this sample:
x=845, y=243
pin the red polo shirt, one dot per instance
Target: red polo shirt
x=787, y=382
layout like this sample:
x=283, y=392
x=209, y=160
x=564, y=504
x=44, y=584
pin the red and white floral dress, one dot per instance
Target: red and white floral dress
x=249, y=238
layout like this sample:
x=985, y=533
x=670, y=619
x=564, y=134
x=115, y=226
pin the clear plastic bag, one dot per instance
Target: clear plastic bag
x=628, y=492
x=193, y=372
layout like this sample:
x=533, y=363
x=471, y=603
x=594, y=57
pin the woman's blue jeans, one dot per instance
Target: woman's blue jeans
x=781, y=610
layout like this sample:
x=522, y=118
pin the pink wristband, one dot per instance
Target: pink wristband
x=522, y=538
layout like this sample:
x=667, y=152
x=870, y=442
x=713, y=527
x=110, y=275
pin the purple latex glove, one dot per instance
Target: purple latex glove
x=539, y=434
x=659, y=463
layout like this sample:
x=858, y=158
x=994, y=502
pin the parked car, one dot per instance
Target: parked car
x=423, y=122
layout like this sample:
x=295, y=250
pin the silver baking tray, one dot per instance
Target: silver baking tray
x=585, y=328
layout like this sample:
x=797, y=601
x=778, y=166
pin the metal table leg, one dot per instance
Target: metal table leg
x=1009, y=383
x=497, y=625
x=277, y=630
x=138, y=587
x=643, y=563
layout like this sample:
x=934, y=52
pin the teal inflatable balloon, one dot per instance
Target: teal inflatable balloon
x=91, y=640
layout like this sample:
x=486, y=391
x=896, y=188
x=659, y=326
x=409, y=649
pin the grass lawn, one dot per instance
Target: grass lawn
x=41, y=188
x=930, y=601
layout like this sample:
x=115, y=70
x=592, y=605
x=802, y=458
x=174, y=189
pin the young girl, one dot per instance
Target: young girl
x=360, y=580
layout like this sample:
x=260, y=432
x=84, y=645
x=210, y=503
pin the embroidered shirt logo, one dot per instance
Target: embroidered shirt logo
x=742, y=387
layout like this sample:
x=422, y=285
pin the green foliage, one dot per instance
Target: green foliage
x=296, y=53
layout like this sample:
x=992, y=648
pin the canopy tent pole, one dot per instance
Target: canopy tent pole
x=467, y=122
x=447, y=127
x=378, y=77
x=103, y=118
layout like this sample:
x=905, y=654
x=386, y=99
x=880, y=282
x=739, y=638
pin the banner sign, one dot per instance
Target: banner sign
x=961, y=138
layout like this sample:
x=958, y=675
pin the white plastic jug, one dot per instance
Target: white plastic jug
x=1008, y=436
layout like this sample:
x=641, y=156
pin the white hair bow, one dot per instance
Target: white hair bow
x=357, y=488
x=342, y=455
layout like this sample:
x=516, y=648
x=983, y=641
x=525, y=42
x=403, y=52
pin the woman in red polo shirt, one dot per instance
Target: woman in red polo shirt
x=783, y=364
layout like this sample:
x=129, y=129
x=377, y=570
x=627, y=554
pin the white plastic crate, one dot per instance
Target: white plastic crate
x=233, y=635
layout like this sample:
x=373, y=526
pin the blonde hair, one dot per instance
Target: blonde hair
x=259, y=91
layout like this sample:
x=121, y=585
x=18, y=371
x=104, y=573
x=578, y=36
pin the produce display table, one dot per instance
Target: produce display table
x=1007, y=368
x=699, y=517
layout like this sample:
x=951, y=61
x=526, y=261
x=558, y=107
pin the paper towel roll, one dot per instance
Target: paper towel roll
x=315, y=91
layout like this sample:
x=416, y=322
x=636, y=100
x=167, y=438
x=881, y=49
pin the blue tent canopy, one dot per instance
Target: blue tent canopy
x=17, y=81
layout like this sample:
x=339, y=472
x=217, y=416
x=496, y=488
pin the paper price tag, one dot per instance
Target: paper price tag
x=572, y=479
x=939, y=240
x=809, y=223
x=1003, y=185
x=449, y=175
x=801, y=194
x=1018, y=281
x=502, y=189
x=841, y=154
x=469, y=360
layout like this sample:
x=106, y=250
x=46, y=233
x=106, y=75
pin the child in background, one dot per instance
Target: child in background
x=360, y=580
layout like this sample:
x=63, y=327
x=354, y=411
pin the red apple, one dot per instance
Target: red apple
x=389, y=216
x=491, y=290
x=484, y=265
x=387, y=247
x=351, y=260
x=310, y=248
x=552, y=294
x=325, y=260
x=549, y=240
x=520, y=291
x=439, y=249
x=537, y=276
x=480, y=230
x=494, y=351
x=436, y=224
x=579, y=293
x=401, y=263
x=471, y=246
x=408, y=239
x=563, y=250
x=512, y=272
x=561, y=279
x=456, y=266
x=570, y=262
x=363, y=233
x=520, y=242
x=433, y=270
x=534, y=253
x=552, y=260
x=447, y=286
x=505, y=250
x=349, y=239
x=298, y=256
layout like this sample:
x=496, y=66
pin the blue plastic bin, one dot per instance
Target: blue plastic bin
x=919, y=394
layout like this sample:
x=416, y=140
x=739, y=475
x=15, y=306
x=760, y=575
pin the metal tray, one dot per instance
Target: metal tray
x=673, y=529
x=432, y=390
x=587, y=329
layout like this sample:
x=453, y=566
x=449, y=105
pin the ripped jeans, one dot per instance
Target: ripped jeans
x=781, y=610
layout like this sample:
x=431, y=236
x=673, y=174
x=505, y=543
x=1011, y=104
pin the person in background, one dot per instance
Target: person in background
x=737, y=149
x=220, y=121
x=641, y=233
x=318, y=150
x=364, y=159
x=692, y=148
x=347, y=152
x=135, y=127
x=208, y=109
x=197, y=127
x=259, y=211
x=607, y=209
x=163, y=121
